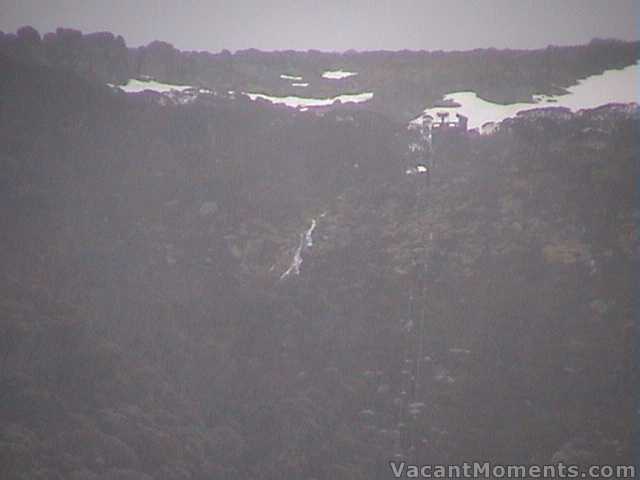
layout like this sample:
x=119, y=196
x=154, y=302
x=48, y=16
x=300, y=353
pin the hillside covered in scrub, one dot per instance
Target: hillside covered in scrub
x=403, y=83
x=149, y=328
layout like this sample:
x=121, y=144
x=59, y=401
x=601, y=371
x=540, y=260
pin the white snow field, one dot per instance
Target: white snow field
x=337, y=74
x=611, y=86
x=284, y=76
x=135, y=86
x=305, y=102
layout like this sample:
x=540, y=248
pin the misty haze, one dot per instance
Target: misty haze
x=297, y=240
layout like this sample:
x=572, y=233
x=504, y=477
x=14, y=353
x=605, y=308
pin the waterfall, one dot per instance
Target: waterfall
x=306, y=241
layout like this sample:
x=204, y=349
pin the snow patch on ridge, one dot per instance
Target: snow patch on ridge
x=136, y=86
x=305, y=102
x=337, y=74
x=611, y=86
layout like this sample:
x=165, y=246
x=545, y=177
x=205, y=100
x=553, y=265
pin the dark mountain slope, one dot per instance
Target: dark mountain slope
x=147, y=333
x=403, y=83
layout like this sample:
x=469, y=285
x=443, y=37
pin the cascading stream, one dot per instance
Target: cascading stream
x=306, y=241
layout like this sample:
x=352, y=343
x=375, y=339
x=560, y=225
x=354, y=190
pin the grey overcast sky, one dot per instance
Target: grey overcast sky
x=335, y=25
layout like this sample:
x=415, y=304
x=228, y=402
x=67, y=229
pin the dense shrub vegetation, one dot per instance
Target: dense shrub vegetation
x=145, y=331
